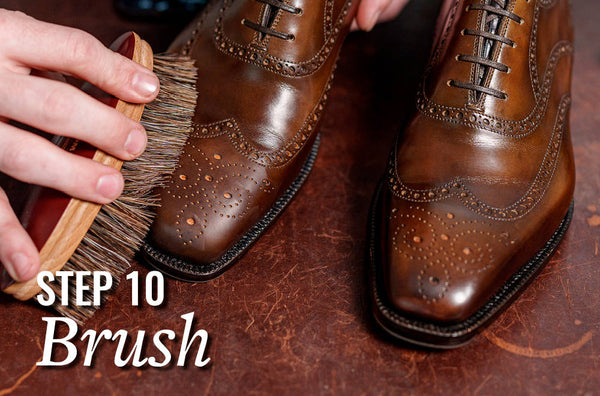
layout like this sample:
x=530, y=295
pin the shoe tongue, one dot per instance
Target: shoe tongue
x=268, y=17
x=491, y=25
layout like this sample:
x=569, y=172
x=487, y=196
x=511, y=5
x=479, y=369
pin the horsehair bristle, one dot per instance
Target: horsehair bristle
x=119, y=229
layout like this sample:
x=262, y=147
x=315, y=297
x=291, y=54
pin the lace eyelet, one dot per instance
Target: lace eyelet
x=299, y=11
x=291, y=37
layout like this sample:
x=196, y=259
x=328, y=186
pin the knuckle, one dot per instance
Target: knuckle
x=7, y=217
x=6, y=225
x=81, y=48
x=7, y=16
x=55, y=103
x=7, y=222
x=21, y=15
x=120, y=75
x=14, y=25
x=112, y=134
x=15, y=159
x=72, y=178
x=383, y=4
x=116, y=129
x=8, y=20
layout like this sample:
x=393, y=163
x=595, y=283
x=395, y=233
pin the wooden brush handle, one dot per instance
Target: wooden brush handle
x=58, y=223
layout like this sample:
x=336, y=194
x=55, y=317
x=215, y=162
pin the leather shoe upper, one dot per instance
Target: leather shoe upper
x=264, y=69
x=483, y=175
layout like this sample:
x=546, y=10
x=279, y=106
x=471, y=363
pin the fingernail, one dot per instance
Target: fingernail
x=136, y=142
x=145, y=84
x=20, y=265
x=373, y=21
x=5, y=279
x=109, y=186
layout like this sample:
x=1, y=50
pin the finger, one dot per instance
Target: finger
x=392, y=10
x=35, y=160
x=354, y=26
x=18, y=254
x=71, y=51
x=66, y=111
x=369, y=11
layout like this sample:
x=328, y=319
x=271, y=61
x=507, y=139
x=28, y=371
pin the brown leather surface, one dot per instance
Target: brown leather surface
x=292, y=317
x=258, y=112
x=478, y=183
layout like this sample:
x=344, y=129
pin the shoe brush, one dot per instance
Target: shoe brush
x=76, y=235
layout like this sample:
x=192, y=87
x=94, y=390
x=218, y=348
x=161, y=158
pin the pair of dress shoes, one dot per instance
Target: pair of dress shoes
x=477, y=193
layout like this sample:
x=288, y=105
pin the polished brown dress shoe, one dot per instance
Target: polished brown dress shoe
x=264, y=71
x=478, y=190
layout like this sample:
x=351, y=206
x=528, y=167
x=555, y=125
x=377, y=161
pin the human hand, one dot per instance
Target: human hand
x=371, y=12
x=28, y=50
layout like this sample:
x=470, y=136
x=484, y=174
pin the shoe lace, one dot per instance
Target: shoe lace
x=264, y=27
x=495, y=11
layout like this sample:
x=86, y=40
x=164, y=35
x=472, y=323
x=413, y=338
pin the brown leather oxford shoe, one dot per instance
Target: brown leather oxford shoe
x=264, y=70
x=478, y=190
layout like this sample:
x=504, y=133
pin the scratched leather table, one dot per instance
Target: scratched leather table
x=291, y=317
